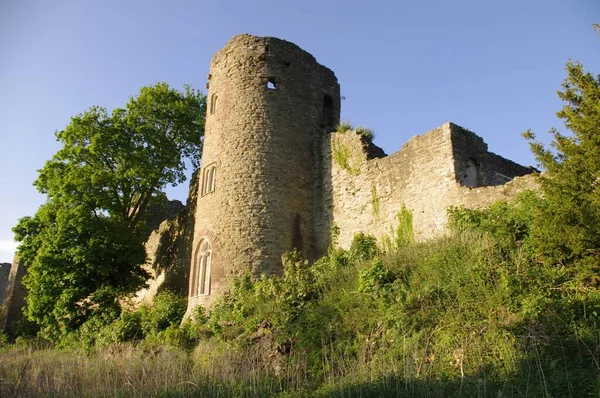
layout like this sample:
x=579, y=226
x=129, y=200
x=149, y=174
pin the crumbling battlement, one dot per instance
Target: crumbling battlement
x=447, y=166
x=274, y=178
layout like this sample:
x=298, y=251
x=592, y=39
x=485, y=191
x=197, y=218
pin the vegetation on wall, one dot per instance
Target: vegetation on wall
x=507, y=304
x=375, y=200
x=344, y=156
x=344, y=126
x=366, y=132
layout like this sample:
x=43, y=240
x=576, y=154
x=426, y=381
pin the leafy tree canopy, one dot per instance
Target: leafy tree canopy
x=84, y=246
x=568, y=224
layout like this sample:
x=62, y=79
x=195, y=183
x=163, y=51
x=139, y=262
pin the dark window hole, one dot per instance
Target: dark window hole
x=328, y=111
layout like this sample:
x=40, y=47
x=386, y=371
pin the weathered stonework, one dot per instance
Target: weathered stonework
x=274, y=178
x=427, y=176
x=14, y=298
x=269, y=103
x=4, y=273
x=168, y=249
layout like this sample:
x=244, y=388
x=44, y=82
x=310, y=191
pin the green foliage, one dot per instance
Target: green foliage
x=84, y=246
x=167, y=309
x=404, y=234
x=128, y=327
x=343, y=157
x=3, y=340
x=344, y=126
x=569, y=230
x=366, y=132
x=375, y=200
x=363, y=247
x=154, y=323
x=508, y=223
x=375, y=278
x=335, y=234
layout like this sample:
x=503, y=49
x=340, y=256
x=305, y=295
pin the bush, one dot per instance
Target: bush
x=363, y=247
x=344, y=126
x=167, y=309
x=366, y=132
x=127, y=328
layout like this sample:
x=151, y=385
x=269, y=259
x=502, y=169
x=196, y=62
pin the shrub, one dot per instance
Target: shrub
x=344, y=126
x=344, y=157
x=167, y=309
x=127, y=328
x=366, y=132
x=404, y=234
x=363, y=247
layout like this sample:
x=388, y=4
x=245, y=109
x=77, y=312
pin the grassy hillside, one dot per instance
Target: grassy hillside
x=472, y=314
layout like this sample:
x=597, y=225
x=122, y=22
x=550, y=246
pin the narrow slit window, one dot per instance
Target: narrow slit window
x=271, y=84
x=213, y=103
x=203, y=267
x=328, y=111
x=212, y=178
x=208, y=179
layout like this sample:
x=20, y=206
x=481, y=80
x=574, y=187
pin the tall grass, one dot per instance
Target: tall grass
x=461, y=316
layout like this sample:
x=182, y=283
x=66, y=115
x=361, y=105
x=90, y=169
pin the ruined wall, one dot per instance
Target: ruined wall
x=4, y=273
x=273, y=178
x=491, y=169
x=426, y=175
x=169, y=248
x=14, y=301
x=268, y=103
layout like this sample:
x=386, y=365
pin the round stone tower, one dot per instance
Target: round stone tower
x=269, y=104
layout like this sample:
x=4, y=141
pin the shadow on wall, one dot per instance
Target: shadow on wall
x=14, y=298
x=4, y=274
x=169, y=249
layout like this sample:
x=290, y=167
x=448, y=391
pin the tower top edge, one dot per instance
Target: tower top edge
x=251, y=42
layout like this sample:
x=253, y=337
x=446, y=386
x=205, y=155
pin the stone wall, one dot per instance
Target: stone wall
x=426, y=175
x=168, y=250
x=4, y=273
x=269, y=102
x=273, y=178
x=14, y=301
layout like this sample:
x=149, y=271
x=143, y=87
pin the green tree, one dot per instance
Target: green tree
x=84, y=246
x=567, y=227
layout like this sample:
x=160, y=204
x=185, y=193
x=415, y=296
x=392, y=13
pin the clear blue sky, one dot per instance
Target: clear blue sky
x=404, y=66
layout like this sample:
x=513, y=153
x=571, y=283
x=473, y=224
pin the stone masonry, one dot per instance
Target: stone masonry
x=428, y=175
x=14, y=298
x=269, y=105
x=4, y=272
x=275, y=178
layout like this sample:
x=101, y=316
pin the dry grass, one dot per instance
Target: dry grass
x=127, y=371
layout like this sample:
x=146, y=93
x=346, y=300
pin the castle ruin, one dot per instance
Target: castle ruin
x=274, y=176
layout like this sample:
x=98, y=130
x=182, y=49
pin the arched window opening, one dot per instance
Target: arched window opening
x=213, y=172
x=208, y=179
x=203, y=268
x=470, y=178
x=213, y=103
x=328, y=111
